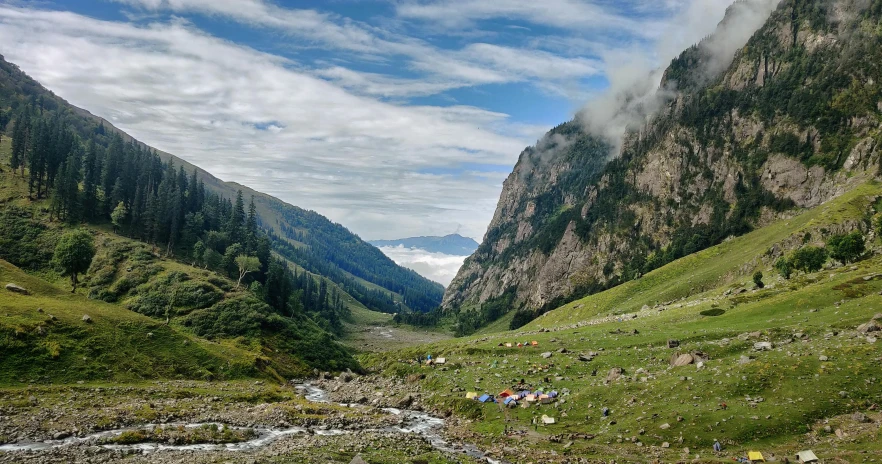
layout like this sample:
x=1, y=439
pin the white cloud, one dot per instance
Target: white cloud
x=439, y=267
x=352, y=158
x=568, y=14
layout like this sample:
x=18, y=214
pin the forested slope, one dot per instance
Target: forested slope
x=113, y=167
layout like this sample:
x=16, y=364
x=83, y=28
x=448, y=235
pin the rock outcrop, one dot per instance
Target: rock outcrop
x=725, y=153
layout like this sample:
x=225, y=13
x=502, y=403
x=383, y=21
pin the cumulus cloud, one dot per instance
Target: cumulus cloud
x=354, y=159
x=440, y=267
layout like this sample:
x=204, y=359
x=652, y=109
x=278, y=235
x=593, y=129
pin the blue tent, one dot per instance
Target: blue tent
x=509, y=400
x=553, y=394
x=486, y=398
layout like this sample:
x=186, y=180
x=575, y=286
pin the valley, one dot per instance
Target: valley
x=689, y=270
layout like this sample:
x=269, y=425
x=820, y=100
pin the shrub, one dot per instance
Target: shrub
x=784, y=267
x=758, y=279
x=846, y=248
x=808, y=259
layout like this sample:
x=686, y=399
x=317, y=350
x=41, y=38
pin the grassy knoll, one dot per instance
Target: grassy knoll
x=819, y=371
x=45, y=340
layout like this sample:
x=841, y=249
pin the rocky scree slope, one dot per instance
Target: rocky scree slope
x=792, y=122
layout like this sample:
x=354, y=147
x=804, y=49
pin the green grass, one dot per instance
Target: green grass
x=798, y=389
x=44, y=340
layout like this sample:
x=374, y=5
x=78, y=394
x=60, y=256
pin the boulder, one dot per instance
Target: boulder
x=664, y=426
x=860, y=418
x=547, y=420
x=358, y=460
x=17, y=289
x=584, y=358
x=763, y=346
x=614, y=374
x=673, y=343
x=684, y=359
x=871, y=326
x=405, y=402
x=546, y=354
x=87, y=319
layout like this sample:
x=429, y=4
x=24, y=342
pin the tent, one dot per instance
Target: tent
x=534, y=343
x=552, y=394
x=508, y=345
x=531, y=398
x=520, y=344
x=755, y=456
x=510, y=402
x=505, y=393
x=471, y=395
x=805, y=457
x=523, y=394
x=485, y=398
x=547, y=420
x=441, y=361
x=545, y=399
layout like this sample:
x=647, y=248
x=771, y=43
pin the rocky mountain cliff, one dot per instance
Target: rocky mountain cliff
x=790, y=121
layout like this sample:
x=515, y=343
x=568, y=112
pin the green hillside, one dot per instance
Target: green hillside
x=816, y=373
x=45, y=340
x=304, y=237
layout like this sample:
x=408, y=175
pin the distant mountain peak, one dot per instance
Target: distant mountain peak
x=453, y=244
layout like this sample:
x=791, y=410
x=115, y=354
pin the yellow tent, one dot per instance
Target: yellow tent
x=755, y=456
x=471, y=395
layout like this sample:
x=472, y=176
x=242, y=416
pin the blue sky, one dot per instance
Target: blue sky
x=393, y=117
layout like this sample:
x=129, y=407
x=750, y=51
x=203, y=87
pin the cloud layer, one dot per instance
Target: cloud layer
x=358, y=119
x=440, y=267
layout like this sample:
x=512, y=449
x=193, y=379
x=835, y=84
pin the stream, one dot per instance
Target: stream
x=423, y=424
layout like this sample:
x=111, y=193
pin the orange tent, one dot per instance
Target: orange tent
x=534, y=343
x=505, y=393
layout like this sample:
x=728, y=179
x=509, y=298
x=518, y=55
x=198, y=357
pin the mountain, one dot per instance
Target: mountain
x=453, y=244
x=305, y=239
x=740, y=137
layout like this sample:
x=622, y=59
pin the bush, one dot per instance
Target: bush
x=846, y=248
x=808, y=259
x=758, y=279
x=784, y=267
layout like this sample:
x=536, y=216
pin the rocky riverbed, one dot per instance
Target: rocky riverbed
x=292, y=423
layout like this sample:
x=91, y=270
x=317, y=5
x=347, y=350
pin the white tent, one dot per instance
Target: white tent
x=806, y=456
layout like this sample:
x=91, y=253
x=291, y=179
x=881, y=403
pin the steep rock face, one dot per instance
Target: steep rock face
x=793, y=121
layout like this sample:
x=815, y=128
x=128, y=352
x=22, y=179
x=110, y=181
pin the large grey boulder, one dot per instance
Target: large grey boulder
x=17, y=289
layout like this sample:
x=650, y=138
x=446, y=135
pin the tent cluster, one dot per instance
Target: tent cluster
x=533, y=343
x=512, y=398
x=431, y=362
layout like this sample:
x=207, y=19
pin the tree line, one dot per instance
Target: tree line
x=155, y=201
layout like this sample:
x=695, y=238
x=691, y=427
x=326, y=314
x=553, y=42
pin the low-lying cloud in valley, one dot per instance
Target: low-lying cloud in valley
x=439, y=267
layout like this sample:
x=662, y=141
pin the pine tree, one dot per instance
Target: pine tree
x=91, y=177
x=251, y=227
x=20, y=142
x=237, y=219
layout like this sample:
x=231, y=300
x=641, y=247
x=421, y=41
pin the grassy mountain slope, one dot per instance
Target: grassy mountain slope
x=325, y=247
x=142, y=286
x=800, y=394
x=44, y=340
x=791, y=122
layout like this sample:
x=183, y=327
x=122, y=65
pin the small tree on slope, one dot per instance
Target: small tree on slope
x=74, y=254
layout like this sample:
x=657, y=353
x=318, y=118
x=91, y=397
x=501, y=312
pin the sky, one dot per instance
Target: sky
x=395, y=118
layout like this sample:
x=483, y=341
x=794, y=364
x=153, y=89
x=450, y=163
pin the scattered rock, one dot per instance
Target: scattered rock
x=546, y=354
x=860, y=418
x=17, y=289
x=664, y=426
x=823, y=358
x=843, y=394
x=673, y=343
x=684, y=359
x=763, y=346
x=871, y=326
x=666, y=445
x=87, y=319
x=614, y=374
x=358, y=460
x=744, y=359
